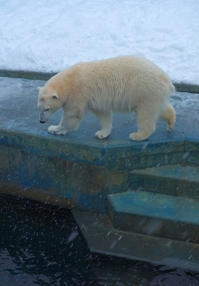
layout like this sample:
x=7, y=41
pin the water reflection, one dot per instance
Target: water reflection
x=41, y=245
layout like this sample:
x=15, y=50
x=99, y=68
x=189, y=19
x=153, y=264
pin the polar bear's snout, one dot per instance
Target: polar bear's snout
x=41, y=119
x=44, y=115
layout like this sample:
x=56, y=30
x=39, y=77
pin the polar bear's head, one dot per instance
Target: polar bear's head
x=48, y=103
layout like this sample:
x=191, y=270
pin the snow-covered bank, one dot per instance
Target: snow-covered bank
x=51, y=35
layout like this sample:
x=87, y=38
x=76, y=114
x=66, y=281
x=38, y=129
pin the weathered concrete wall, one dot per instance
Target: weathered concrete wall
x=80, y=175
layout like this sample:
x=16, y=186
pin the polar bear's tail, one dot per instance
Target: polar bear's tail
x=172, y=87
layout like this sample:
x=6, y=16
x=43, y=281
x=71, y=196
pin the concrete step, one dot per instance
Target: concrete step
x=155, y=215
x=102, y=238
x=174, y=180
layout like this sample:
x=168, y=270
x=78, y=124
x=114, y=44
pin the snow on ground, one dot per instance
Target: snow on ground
x=49, y=35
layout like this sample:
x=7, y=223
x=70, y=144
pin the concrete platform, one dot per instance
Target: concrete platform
x=79, y=171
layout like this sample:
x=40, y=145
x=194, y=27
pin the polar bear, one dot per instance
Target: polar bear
x=121, y=84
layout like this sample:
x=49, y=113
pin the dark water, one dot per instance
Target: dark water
x=41, y=245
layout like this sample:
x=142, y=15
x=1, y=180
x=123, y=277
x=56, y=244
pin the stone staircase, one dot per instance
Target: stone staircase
x=157, y=220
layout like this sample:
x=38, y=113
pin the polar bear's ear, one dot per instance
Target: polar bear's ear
x=55, y=95
x=39, y=88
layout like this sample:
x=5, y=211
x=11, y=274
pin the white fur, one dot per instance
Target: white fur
x=124, y=84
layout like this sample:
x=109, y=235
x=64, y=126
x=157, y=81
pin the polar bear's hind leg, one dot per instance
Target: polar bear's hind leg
x=169, y=116
x=146, y=121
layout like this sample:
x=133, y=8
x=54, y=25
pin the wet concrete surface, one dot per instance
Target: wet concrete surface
x=18, y=111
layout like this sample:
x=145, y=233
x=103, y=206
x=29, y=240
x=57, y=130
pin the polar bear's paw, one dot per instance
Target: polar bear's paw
x=137, y=136
x=56, y=130
x=101, y=134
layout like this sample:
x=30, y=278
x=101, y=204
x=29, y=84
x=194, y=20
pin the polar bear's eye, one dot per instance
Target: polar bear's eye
x=47, y=109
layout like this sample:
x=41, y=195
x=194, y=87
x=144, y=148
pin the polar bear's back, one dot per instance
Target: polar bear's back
x=119, y=83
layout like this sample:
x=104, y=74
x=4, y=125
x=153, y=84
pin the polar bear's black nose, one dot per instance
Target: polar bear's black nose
x=41, y=121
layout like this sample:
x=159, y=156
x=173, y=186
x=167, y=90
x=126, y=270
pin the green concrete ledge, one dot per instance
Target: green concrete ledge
x=33, y=75
x=175, y=180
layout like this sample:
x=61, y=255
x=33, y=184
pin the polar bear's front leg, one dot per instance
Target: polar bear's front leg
x=60, y=129
x=106, y=122
x=69, y=121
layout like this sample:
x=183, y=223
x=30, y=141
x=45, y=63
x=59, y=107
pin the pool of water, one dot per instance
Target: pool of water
x=40, y=244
